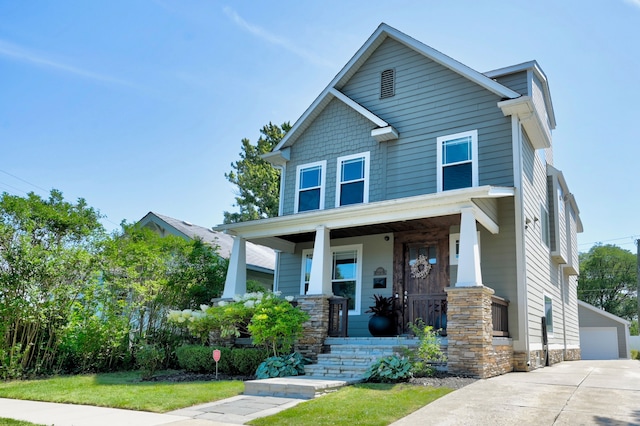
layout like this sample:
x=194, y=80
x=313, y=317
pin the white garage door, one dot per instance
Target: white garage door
x=599, y=343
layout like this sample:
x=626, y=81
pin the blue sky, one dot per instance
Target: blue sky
x=140, y=106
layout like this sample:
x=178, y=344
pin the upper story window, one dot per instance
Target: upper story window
x=353, y=179
x=544, y=226
x=457, y=160
x=387, y=83
x=310, y=180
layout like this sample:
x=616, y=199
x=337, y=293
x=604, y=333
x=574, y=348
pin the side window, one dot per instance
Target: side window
x=353, y=179
x=548, y=313
x=457, y=157
x=544, y=226
x=310, y=180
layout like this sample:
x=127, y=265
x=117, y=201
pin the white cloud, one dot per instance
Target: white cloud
x=276, y=40
x=17, y=53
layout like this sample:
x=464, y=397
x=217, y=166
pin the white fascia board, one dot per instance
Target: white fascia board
x=603, y=313
x=401, y=209
x=385, y=134
x=358, y=108
x=277, y=158
x=528, y=114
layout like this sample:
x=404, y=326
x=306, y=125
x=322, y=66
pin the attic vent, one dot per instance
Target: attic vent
x=387, y=83
x=187, y=223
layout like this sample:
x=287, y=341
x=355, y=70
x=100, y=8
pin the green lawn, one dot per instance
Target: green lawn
x=120, y=390
x=11, y=422
x=365, y=404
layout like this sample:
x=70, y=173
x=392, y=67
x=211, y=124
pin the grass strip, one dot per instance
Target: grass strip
x=363, y=404
x=11, y=422
x=120, y=390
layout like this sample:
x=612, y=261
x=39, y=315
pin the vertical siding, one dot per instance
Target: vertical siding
x=376, y=252
x=431, y=101
x=516, y=82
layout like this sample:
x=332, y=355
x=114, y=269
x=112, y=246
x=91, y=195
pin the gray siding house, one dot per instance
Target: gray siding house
x=260, y=260
x=416, y=177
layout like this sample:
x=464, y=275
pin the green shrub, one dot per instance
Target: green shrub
x=277, y=324
x=282, y=366
x=389, y=369
x=245, y=361
x=635, y=354
x=199, y=359
x=149, y=358
x=428, y=351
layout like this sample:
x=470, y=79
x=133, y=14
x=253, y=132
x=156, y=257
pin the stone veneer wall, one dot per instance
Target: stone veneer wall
x=536, y=358
x=470, y=334
x=502, y=357
x=572, y=355
x=316, y=330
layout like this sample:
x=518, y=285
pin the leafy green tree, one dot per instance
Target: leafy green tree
x=257, y=181
x=47, y=264
x=608, y=280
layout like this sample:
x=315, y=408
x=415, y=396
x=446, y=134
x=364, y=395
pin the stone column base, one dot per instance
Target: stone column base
x=316, y=330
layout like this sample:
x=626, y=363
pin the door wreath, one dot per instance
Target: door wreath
x=421, y=267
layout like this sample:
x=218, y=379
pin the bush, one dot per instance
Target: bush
x=428, y=351
x=277, y=324
x=389, y=369
x=199, y=359
x=282, y=366
x=635, y=354
x=148, y=358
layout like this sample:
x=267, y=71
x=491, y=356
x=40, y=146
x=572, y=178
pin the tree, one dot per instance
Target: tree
x=608, y=280
x=47, y=265
x=258, y=182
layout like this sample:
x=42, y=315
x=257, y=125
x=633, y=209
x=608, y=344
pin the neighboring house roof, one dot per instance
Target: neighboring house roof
x=603, y=313
x=332, y=91
x=259, y=258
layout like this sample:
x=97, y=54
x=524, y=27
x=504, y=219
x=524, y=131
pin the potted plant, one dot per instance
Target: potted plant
x=383, y=321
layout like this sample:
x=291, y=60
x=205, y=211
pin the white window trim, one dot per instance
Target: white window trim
x=454, y=240
x=474, y=156
x=323, y=174
x=365, y=155
x=544, y=311
x=358, y=249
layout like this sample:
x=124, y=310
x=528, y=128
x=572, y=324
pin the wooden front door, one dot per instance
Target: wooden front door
x=421, y=274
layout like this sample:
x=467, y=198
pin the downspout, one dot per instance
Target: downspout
x=521, y=263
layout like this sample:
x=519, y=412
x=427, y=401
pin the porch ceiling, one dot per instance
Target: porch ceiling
x=283, y=232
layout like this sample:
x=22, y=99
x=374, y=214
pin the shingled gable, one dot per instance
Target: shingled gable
x=384, y=131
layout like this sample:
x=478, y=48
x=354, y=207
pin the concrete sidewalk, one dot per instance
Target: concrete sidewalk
x=569, y=393
x=232, y=411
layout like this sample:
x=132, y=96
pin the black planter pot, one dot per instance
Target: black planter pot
x=381, y=326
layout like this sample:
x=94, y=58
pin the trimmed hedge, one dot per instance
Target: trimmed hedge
x=240, y=361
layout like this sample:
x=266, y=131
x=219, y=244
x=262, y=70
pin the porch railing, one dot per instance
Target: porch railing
x=431, y=308
x=500, y=317
x=338, y=316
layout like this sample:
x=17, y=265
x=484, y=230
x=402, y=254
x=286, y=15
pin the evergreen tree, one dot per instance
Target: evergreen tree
x=258, y=182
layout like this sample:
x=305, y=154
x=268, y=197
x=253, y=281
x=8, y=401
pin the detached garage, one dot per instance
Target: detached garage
x=602, y=335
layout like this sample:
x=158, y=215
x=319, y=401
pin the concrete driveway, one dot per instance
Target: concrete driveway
x=568, y=393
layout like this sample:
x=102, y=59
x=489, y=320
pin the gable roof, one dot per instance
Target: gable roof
x=383, y=32
x=533, y=67
x=602, y=313
x=259, y=258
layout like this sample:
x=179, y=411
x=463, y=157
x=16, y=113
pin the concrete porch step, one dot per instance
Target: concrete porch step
x=295, y=387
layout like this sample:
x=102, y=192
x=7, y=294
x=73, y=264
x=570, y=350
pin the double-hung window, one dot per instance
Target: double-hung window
x=310, y=180
x=548, y=313
x=457, y=157
x=346, y=273
x=353, y=179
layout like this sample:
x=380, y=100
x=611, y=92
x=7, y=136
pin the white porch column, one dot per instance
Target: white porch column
x=320, y=279
x=236, y=282
x=469, y=274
